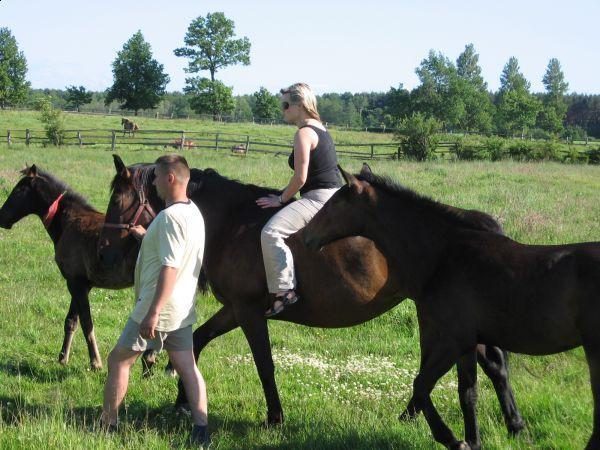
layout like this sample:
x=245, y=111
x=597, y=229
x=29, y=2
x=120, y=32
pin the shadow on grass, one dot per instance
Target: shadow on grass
x=170, y=424
x=48, y=373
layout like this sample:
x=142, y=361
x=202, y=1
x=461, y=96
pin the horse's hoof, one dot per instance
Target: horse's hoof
x=170, y=372
x=63, y=360
x=406, y=416
x=273, y=420
x=96, y=366
x=515, y=428
x=183, y=408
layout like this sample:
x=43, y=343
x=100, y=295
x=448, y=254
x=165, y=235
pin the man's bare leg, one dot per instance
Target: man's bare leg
x=195, y=388
x=120, y=361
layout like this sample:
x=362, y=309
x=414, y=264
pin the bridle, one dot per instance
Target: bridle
x=139, y=180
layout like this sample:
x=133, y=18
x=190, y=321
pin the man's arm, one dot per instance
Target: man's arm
x=164, y=289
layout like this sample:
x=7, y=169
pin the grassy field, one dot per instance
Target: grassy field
x=340, y=388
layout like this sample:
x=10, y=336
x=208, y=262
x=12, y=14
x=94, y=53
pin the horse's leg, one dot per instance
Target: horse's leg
x=80, y=289
x=70, y=328
x=592, y=354
x=148, y=361
x=254, y=326
x=220, y=323
x=467, y=392
x=442, y=345
x=494, y=363
x=437, y=358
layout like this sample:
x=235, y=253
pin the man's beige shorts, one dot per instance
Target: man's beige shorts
x=177, y=340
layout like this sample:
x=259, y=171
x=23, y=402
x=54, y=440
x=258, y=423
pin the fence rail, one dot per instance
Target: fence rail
x=218, y=141
x=224, y=141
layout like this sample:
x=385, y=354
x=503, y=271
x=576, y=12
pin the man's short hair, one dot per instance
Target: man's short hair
x=175, y=164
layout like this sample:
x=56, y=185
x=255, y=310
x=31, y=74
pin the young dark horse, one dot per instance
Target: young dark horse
x=344, y=286
x=471, y=286
x=74, y=227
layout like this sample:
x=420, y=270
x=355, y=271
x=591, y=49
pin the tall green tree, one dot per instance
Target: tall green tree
x=473, y=91
x=77, y=96
x=243, y=108
x=266, y=105
x=209, y=97
x=517, y=108
x=439, y=94
x=13, y=68
x=139, y=80
x=555, y=108
x=210, y=45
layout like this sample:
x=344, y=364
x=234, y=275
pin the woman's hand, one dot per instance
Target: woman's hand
x=272, y=201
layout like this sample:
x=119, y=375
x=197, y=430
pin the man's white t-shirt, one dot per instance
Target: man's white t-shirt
x=175, y=238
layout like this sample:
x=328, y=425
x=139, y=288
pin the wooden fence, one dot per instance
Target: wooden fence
x=184, y=140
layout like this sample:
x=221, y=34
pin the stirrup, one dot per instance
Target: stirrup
x=285, y=300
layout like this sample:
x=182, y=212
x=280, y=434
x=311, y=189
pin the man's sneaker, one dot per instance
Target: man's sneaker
x=200, y=436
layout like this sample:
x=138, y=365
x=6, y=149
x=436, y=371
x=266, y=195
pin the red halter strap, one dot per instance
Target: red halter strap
x=47, y=220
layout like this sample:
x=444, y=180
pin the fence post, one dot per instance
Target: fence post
x=8, y=137
x=372, y=151
x=217, y=142
x=182, y=143
x=247, y=143
x=79, y=138
x=27, y=136
x=113, y=141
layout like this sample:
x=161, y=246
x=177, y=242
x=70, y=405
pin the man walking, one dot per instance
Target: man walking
x=166, y=278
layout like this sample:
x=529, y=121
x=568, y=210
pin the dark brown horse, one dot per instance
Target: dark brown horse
x=74, y=227
x=471, y=286
x=344, y=286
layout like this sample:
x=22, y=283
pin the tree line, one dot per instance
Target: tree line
x=452, y=93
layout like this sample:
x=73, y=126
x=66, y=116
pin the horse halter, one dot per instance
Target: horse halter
x=143, y=203
x=47, y=220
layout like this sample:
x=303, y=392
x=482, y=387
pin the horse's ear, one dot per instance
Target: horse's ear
x=32, y=171
x=120, y=166
x=351, y=180
x=366, y=170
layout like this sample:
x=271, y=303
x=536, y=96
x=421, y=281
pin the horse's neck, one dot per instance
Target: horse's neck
x=68, y=211
x=413, y=242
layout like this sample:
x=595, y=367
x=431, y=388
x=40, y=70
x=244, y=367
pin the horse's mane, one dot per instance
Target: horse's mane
x=59, y=186
x=146, y=171
x=472, y=219
x=198, y=176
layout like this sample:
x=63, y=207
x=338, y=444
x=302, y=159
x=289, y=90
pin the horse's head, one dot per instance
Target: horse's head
x=123, y=121
x=31, y=195
x=345, y=213
x=133, y=202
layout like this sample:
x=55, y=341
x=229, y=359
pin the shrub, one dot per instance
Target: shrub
x=52, y=119
x=495, y=148
x=519, y=150
x=469, y=152
x=417, y=136
x=574, y=156
x=545, y=151
x=593, y=155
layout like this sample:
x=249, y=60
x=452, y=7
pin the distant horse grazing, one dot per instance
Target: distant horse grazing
x=129, y=126
x=74, y=227
x=345, y=285
x=471, y=286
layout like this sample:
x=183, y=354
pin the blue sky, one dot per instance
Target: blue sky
x=335, y=46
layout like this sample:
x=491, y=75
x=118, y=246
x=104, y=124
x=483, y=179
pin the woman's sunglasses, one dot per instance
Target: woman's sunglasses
x=285, y=106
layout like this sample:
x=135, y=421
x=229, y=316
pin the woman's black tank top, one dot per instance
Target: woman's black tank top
x=322, y=164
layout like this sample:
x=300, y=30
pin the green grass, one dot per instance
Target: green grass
x=339, y=388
